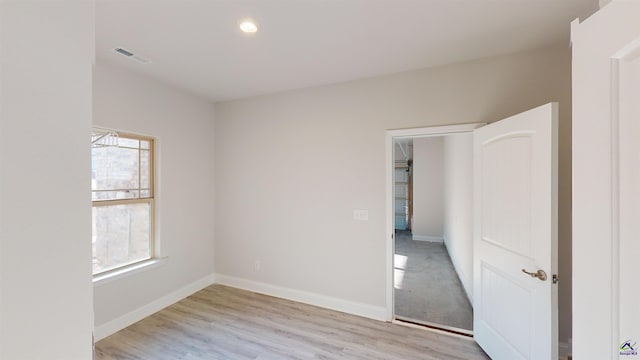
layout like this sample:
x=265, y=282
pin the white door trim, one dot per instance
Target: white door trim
x=390, y=220
x=601, y=46
x=628, y=53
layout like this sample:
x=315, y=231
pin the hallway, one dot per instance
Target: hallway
x=427, y=288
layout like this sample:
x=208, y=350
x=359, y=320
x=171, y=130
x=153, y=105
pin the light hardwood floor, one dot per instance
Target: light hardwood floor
x=221, y=322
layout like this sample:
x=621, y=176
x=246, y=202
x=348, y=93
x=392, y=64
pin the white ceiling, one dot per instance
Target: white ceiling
x=198, y=46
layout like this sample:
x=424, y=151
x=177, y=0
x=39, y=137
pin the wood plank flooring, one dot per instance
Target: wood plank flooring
x=221, y=322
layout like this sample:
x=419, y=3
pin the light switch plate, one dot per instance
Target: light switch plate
x=362, y=215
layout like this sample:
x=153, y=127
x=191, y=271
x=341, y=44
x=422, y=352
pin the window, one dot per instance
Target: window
x=123, y=200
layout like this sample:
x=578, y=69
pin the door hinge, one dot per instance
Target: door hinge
x=554, y=278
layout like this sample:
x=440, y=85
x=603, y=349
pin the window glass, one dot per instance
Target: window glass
x=115, y=168
x=128, y=142
x=122, y=195
x=120, y=235
x=145, y=169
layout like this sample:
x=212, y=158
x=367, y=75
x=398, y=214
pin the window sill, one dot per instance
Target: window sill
x=105, y=278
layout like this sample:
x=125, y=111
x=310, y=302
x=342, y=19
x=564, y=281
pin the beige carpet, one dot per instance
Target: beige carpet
x=427, y=287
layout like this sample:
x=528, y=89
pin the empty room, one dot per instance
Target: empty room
x=280, y=179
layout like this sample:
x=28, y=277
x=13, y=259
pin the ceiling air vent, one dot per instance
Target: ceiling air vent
x=131, y=55
x=123, y=52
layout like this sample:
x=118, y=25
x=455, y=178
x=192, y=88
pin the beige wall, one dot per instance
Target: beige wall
x=45, y=217
x=428, y=189
x=183, y=127
x=458, y=209
x=291, y=167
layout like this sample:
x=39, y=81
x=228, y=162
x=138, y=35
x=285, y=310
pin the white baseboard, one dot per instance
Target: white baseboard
x=346, y=306
x=429, y=238
x=125, y=320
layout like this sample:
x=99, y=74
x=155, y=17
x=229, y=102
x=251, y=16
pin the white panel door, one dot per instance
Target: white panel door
x=515, y=201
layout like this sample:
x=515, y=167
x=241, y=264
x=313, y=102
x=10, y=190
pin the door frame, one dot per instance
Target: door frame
x=600, y=46
x=392, y=135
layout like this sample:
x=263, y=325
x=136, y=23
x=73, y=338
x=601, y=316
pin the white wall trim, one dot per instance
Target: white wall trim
x=429, y=238
x=328, y=302
x=615, y=198
x=620, y=209
x=433, y=130
x=125, y=320
x=117, y=274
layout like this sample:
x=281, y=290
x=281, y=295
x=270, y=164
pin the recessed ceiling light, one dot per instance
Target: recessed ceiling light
x=248, y=26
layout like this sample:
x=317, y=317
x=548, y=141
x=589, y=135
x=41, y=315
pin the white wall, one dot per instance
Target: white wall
x=291, y=167
x=183, y=126
x=46, y=53
x=458, y=199
x=428, y=188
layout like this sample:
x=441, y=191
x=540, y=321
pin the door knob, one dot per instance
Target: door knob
x=540, y=274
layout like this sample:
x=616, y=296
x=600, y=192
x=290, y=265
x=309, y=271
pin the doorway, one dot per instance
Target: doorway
x=433, y=242
x=514, y=276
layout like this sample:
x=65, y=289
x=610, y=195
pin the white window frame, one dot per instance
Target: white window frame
x=153, y=260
